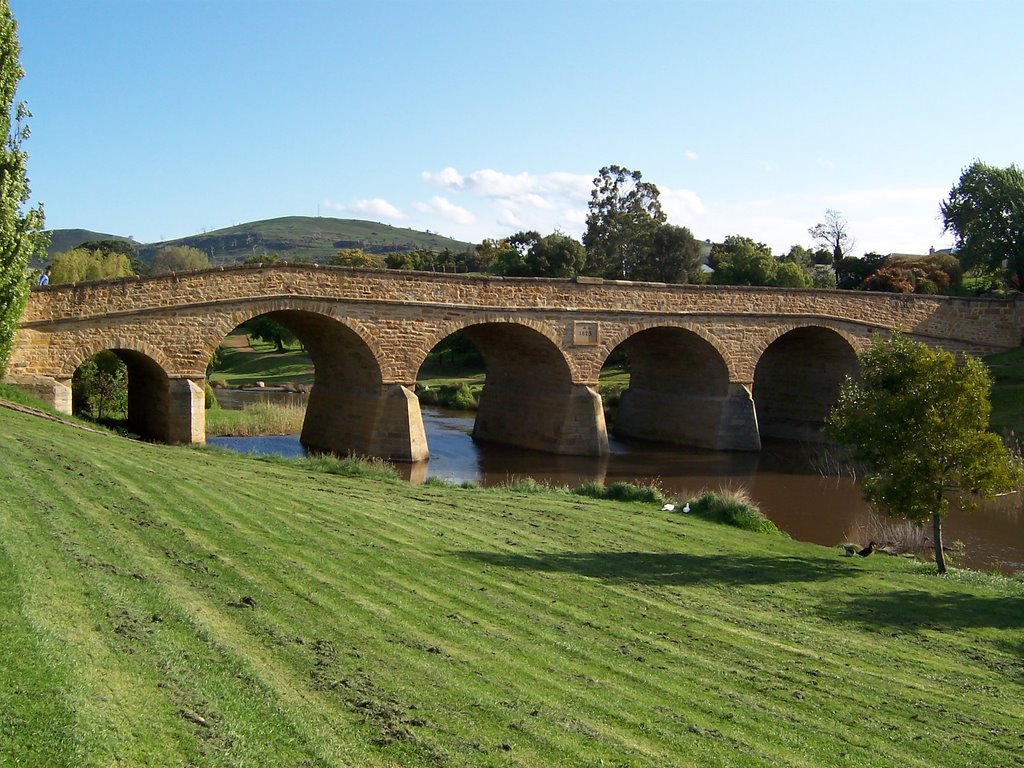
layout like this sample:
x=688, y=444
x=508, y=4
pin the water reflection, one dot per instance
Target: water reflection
x=780, y=479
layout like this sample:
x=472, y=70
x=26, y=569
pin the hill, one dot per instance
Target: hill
x=172, y=606
x=65, y=239
x=294, y=238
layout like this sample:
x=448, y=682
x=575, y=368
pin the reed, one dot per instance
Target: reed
x=256, y=419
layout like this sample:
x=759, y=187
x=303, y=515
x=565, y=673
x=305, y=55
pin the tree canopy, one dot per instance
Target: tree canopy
x=674, y=256
x=625, y=213
x=918, y=421
x=178, y=258
x=740, y=261
x=985, y=212
x=21, y=230
x=81, y=264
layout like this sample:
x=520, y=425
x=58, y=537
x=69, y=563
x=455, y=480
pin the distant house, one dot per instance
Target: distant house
x=931, y=252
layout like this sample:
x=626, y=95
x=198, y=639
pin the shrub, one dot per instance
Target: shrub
x=349, y=466
x=591, y=488
x=733, y=508
x=621, y=491
x=463, y=399
x=209, y=399
x=526, y=485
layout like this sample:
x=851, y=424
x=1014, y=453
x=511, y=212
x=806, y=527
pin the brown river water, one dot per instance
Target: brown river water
x=780, y=479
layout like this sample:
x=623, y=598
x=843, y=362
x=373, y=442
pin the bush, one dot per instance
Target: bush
x=526, y=485
x=350, y=466
x=733, y=508
x=463, y=399
x=209, y=399
x=621, y=491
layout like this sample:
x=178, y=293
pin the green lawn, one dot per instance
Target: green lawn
x=172, y=606
x=243, y=367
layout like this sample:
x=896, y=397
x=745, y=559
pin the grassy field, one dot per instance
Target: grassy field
x=173, y=606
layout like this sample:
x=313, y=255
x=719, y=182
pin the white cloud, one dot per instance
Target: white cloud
x=690, y=154
x=447, y=177
x=445, y=208
x=681, y=206
x=375, y=207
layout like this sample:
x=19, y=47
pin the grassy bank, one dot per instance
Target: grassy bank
x=171, y=606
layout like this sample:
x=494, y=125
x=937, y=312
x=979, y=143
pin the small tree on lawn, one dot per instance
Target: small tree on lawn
x=918, y=421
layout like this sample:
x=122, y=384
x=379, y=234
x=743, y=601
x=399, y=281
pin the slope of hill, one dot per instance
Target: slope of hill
x=65, y=239
x=165, y=606
x=294, y=238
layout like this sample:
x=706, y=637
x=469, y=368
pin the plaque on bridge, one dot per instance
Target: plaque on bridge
x=584, y=334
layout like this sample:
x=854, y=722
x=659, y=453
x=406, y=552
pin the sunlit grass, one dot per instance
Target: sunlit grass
x=167, y=606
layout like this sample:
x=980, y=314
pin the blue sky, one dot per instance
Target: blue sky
x=471, y=118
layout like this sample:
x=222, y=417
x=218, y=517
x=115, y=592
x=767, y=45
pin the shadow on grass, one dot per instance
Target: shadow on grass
x=669, y=568
x=923, y=610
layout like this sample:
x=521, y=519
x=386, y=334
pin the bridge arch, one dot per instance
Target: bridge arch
x=350, y=408
x=680, y=391
x=529, y=398
x=223, y=323
x=151, y=391
x=797, y=379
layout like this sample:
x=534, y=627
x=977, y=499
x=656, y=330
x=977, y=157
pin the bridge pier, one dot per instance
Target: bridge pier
x=54, y=392
x=717, y=422
x=184, y=412
x=385, y=423
x=568, y=421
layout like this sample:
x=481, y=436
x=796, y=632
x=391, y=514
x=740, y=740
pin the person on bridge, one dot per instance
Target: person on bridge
x=44, y=279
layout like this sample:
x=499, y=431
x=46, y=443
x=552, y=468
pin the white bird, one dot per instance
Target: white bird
x=668, y=507
x=686, y=509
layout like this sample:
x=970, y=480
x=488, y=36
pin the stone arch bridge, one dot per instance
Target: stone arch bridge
x=714, y=367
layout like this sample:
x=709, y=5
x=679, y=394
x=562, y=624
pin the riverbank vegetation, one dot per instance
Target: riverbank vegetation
x=259, y=418
x=167, y=605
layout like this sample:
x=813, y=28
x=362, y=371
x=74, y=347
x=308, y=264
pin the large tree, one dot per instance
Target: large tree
x=834, y=234
x=625, y=213
x=673, y=257
x=985, y=212
x=740, y=261
x=82, y=263
x=21, y=234
x=178, y=258
x=918, y=420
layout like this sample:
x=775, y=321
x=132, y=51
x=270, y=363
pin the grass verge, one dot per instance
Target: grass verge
x=166, y=606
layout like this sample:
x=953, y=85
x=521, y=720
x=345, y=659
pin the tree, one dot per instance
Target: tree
x=80, y=264
x=741, y=261
x=178, y=258
x=852, y=272
x=833, y=234
x=99, y=387
x=792, y=275
x=556, y=255
x=355, y=257
x=674, y=256
x=268, y=330
x=21, y=231
x=625, y=212
x=985, y=212
x=918, y=421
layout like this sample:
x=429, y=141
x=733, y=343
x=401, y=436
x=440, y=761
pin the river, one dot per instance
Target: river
x=780, y=479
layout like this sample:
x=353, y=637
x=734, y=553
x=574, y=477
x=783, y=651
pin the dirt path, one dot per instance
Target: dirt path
x=239, y=341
